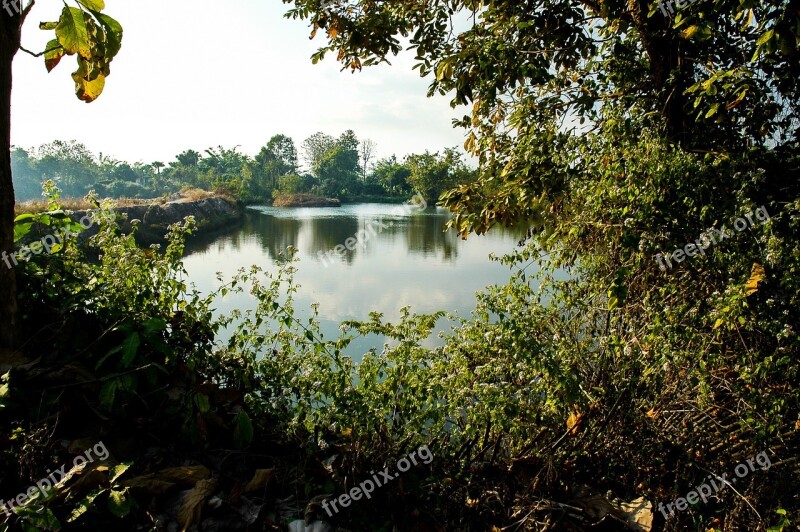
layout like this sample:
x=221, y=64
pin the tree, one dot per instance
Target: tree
x=27, y=181
x=338, y=172
x=315, y=148
x=188, y=158
x=284, y=152
x=366, y=151
x=393, y=176
x=432, y=174
x=713, y=78
x=70, y=164
x=278, y=158
x=96, y=38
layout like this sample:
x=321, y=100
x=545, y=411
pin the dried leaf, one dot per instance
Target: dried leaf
x=161, y=481
x=639, y=514
x=757, y=276
x=259, y=480
x=574, y=422
x=193, y=502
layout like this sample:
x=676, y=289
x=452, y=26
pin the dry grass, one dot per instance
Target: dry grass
x=73, y=204
x=197, y=194
x=76, y=204
x=304, y=200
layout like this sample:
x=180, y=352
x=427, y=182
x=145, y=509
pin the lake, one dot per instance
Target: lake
x=402, y=257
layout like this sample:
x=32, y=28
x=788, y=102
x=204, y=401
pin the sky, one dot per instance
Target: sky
x=194, y=75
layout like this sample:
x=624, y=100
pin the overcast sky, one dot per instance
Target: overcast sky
x=196, y=74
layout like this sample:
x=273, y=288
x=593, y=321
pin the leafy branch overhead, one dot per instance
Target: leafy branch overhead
x=95, y=37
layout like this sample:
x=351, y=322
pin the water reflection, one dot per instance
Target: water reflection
x=317, y=232
x=408, y=260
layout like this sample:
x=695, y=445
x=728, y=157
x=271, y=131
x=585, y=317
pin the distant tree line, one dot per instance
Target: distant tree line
x=344, y=168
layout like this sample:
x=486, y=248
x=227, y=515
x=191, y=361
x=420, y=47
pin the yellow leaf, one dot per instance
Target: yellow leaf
x=688, y=32
x=259, y=480
x=192, y=504
x=653, y=413
x=469, y=145
x=718, y=323
x=162, y=481
x=85, y=88
x=756, y=276
x=574, y=422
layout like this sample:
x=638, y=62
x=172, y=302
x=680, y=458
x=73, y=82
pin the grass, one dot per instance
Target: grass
x=80, y=204
x=303, y=200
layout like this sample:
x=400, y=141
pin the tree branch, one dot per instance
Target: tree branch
x=40, y=53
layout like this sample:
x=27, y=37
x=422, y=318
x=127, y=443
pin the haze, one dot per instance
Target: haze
x=197, y=75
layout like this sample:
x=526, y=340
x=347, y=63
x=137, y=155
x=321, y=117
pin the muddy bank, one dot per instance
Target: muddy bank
x=211, y=214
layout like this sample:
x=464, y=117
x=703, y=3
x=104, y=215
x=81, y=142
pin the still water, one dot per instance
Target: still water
x=405, y=259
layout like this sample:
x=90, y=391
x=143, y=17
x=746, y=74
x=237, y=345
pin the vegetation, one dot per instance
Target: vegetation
x=614, y=133
x=337, y=170
x=305, y=200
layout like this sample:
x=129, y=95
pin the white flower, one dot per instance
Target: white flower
x=627, y=350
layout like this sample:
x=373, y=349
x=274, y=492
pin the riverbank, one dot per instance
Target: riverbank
x=305, y=200
x=212, y=212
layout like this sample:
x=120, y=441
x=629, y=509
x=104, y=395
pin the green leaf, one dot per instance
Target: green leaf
x=72, y=33
x=445, y=70
x=153, y=325
x=243, y=433
x=711, y=112
x=38, y=517
x=53, y=54
x=23, y=217
x=201, y=400
x=4, y=390
x=96, y=5
x=113, y=34
x=20, y=230
x=48, y=26
x=765, y=38
x=118, y=470
x=704, y=34
x=129, y=349
x=107, y=393
x=84, y=505
x=119, y=503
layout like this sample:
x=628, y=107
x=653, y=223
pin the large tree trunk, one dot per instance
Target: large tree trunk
x=9, y=45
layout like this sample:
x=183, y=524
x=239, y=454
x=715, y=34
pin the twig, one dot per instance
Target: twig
x=40, y=53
